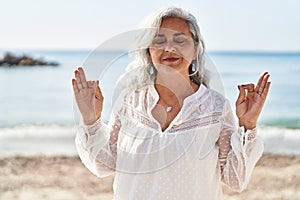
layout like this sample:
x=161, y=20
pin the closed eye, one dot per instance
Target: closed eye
x=159, y=39
x=180, y=39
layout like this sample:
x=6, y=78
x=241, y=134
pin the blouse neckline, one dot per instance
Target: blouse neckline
x=200, y=91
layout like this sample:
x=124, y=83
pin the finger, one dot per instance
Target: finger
x=263, y=84
x=250, y=90
x=266, y=91
x=82, y=77
x=260, y=80
x=249, y=87
x=99, y=92
x=75, y=88
x=78, y=81
x=92, y=84
x=242, y=95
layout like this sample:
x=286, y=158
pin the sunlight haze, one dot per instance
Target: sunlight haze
x=270, y=25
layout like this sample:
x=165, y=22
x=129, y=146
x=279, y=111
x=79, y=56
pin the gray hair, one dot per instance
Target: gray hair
x=146, y=34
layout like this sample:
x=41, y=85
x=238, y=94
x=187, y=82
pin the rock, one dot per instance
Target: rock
x=12, y=60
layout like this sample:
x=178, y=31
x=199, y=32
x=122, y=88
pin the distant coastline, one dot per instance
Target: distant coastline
x=10, y=60
x=255, y=53
x=210, y=52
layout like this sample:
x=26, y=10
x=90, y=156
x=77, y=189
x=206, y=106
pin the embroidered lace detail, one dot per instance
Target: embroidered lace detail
x=134, y=115
x=197, y=123
x=91, y=129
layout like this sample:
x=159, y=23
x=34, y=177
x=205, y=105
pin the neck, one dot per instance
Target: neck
x=174, y=85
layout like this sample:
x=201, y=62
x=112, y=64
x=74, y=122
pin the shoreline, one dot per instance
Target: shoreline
x=63, y=177
x=59, y=140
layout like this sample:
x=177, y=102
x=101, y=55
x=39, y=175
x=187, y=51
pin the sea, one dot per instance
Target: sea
x=38, y=114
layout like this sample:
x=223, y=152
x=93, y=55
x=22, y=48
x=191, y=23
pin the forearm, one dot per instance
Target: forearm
x=245, y=152
x=95, y=150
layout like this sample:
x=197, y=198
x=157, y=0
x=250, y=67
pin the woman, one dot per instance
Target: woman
x=170, y=136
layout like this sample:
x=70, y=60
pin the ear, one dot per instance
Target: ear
x=195, y=55
x=148, y=55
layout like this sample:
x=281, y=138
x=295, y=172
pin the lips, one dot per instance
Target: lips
x=170, y=59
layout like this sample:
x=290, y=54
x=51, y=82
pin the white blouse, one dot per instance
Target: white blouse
x=200, y=149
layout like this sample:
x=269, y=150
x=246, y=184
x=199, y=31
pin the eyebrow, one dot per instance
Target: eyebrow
x=163, y=35
x=181, y=33
x=159, y=35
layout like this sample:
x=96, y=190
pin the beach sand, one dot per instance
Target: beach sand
x=58, y=177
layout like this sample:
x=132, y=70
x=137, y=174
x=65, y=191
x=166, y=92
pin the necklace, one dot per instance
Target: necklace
x=169, y=107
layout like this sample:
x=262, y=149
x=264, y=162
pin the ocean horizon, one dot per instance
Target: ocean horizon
x=37, y=110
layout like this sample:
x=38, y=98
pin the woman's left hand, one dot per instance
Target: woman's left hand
x=251, y=100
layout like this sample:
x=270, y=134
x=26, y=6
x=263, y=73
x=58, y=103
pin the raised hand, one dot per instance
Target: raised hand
x=251, y=100
x=88, y=97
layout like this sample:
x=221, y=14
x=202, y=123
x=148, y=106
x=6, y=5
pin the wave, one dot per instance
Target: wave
x=38, y=140
x=293, y=123
x=38, y=131
x=280, y=140
x=58, y=139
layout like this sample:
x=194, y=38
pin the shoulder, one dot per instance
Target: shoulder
x=133, y=79
x=215, y=100
x=134, y=94
x=205, y=91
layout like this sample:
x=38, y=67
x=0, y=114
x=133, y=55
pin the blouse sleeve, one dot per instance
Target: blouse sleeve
x=97, y=146
x=239, y=150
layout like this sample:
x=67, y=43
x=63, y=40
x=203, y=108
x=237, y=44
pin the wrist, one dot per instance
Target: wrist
x=241, y=123
x=248, y=125
x=89, y=120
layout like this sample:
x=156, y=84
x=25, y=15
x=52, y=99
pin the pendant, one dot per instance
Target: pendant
x=169, y=108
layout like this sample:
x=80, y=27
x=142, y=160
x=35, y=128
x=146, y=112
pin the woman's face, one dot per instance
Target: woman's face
x=173, y=46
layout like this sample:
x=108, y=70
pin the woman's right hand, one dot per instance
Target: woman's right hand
x=88, y=97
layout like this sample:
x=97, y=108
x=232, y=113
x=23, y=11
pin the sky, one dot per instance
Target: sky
x=256, y=25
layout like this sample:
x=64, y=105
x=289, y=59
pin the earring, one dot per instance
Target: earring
x=151, y=70
x=193, y=67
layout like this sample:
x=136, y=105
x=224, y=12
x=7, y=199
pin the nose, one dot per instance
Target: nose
x=169, y=47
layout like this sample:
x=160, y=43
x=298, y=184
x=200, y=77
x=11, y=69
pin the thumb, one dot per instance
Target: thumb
x=241, y=96
x=98, y=91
